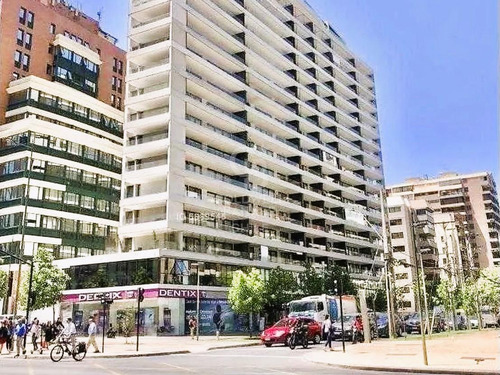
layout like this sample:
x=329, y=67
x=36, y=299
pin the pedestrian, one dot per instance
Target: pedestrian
x=92, y=331
x=357, y=331
x=10, y=335
x=3, y=334
x=35, y=333
x=192, y=326
x=20, y=332
x=49, y=335
x=70, y=332
x=217, y=319
x=328, y=329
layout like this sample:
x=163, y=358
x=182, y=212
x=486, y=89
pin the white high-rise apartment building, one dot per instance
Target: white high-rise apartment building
x=251, y=140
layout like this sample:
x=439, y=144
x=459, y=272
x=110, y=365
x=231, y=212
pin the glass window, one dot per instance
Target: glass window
x=50, y=222
x=72, y=174
x=71, y=198
x=77, y=59
x=74, y=148
x=27, y=40
x=52, y=28
x=31, y=19
x=68, y=225
x=80, y=110
x=20, y=37
x=88, y=177
x=85, y=228
x=66, y=53
x=22, y=15
x=102, y=205
x=65, y=105
x=53, y=195
x=26, y=62
x=87, y=202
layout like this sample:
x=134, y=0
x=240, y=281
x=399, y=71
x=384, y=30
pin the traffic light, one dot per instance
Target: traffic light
x=140, y=294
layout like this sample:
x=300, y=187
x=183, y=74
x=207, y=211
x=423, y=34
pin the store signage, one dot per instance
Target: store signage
x=132, y=294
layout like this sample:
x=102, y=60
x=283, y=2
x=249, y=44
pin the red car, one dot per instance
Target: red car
x=279, y=333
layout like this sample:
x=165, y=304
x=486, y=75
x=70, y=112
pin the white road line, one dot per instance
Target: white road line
x=107, y=369
x=179, y=367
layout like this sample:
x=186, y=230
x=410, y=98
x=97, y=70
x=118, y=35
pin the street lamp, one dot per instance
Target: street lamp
x=419, y=254
x=105, y=301
x=198, y=265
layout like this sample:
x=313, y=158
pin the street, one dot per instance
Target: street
x=237, y=361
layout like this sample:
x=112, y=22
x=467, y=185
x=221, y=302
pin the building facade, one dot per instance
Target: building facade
x=472, y=199
x=61, y=132
x=414, y=250
x=251, y=140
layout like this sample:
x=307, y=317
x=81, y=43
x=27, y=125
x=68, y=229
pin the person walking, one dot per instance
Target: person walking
x=35, y=333
x=192, y=326
x=10, y=335
x=357, y=331
x=328, y=328
x=20, y=332
x=92, y=331
x=217, y=319
x=3, y=334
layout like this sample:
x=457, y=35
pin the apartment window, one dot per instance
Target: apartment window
x=119, y=102
x=48, y=69
x=120, y=67
x=401, y=276
x=119, y=85
x=15, y=76
x=18, y=56
x=115, y=64
x=20, y=37
x=193, y=167
x=193, y=192
x=87, y=202
x=394, y=209
x=113, y=83
x=22, y=15
x=52, y=28
x=50, y=222
x=27, y=40
x=396, y=222
x=71, y=199
x=113, y=99
x=98, y=51
x=398, y=249
x=31, y=19
x=53, y=195
x=397, y=235
x=26, y=62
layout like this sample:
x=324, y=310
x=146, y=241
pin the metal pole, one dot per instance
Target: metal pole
x=23, y=229
x=422, y=328
x=28, y=302
x=342, y=315
x=198, y=303
x=103, y=326
x=138, y=319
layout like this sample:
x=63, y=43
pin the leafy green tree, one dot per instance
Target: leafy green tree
x=281, y=287
x=376, y=299
x=488, y=286
x=467, y=298
x=3, y=284
x=335, y=272
x=48, y=283
x=310, y=281
x=246, y=294
x=126, y=322
x=445, y=295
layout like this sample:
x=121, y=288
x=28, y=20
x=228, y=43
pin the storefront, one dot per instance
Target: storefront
x=165, y=310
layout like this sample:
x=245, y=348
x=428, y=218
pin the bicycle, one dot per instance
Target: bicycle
x=61, y=347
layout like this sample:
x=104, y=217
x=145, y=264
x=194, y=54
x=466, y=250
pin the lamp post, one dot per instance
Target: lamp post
x=341, y=291
x=421, y=269
x=105, y=301
x=198, y=265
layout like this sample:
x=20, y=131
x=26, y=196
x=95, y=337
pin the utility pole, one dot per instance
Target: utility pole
x=140, y=298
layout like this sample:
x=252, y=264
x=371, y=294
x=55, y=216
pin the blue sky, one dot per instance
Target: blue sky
x=436, y=75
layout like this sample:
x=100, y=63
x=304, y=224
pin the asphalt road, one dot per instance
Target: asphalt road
x=238, y=361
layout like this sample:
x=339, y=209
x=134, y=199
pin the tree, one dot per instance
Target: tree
x=281, y=287
x=48, y=283
x=468, y=298
x=310, y=281
x=126, y=322
x=335, y=272
x=246, y=294
x=488, y=286
x=3, y=284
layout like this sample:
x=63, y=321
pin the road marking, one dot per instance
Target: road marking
x=240, y=355
x=179, y=367
x=107, y=369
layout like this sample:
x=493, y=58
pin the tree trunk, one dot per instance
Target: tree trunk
x=250, y=323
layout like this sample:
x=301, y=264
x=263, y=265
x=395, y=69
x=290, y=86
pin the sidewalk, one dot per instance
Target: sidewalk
x=454, y=354
x=149, y=346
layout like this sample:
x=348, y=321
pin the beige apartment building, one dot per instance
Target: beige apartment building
x=472, y=201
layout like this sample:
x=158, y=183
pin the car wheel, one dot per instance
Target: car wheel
x=267, y=345
x=317, y=338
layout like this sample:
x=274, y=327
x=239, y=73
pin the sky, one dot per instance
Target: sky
x=436, y=77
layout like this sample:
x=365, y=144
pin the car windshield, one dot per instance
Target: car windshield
x=302, y=306
x=282, y=323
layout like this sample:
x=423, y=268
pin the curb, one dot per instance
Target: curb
x=412, y=370
x=147, y=354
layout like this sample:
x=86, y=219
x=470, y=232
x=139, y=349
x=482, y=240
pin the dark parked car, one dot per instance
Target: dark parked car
x=279, y=333
x=383, y=325
x=412, y=323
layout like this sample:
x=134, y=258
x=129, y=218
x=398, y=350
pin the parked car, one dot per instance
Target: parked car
x=280, y=332
x=348, y=321
x=412, y=323
x=488, y=318
x=383, y=325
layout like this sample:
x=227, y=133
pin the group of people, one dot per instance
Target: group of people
x=328, y=330
x=15, y=335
